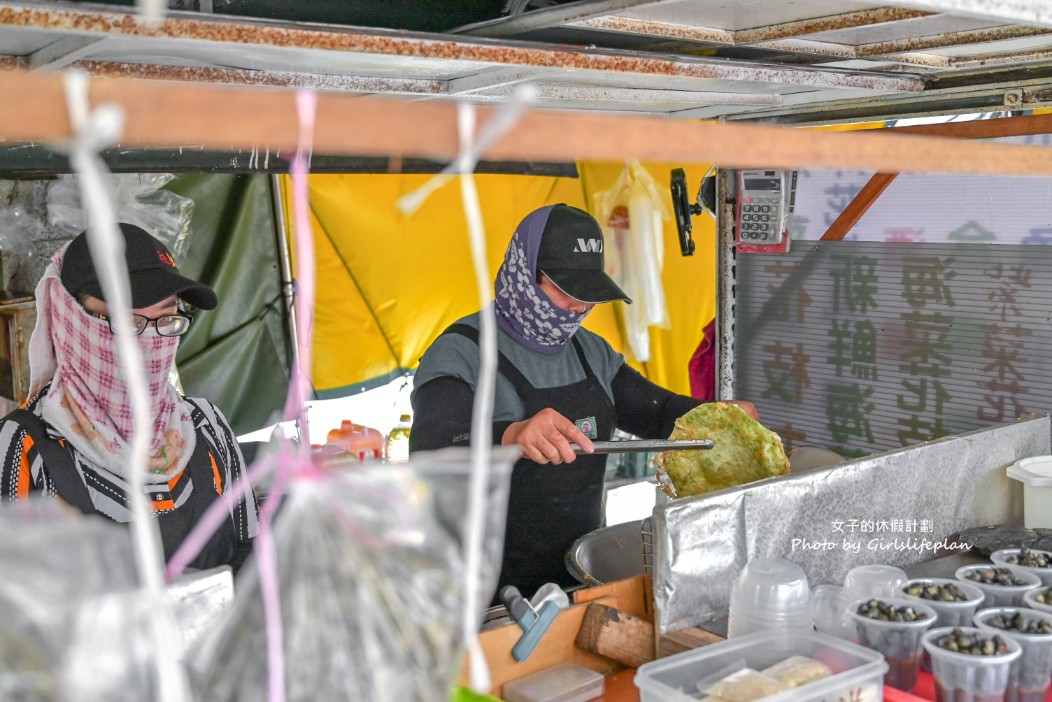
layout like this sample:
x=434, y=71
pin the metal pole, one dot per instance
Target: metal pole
x=287, y=282
x=725, y=285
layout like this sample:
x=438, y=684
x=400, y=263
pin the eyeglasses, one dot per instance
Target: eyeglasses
x=167, y=325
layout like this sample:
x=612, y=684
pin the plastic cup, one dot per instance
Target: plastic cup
x=962, y=677
x=1000, y=595
x=1003, y=556
x=899, y=642
x=830, y=608
x=769, y=593
x=1029, y=678
x=873, y=581
x=958, y=613
x=1030, y=599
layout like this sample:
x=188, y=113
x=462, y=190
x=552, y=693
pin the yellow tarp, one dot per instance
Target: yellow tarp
x=388, y=284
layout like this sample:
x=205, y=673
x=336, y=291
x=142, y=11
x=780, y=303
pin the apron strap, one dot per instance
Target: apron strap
x=509, y=371
x=68, y=483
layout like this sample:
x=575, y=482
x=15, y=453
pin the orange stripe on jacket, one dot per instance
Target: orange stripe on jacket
x=23, y=468
x=215, y=472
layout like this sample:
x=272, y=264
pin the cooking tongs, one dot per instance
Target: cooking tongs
x=645, y=445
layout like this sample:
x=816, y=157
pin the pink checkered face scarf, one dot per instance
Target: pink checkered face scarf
x=89, y=386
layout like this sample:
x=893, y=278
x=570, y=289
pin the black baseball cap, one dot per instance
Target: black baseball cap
x=151, y=270
x=571, y=254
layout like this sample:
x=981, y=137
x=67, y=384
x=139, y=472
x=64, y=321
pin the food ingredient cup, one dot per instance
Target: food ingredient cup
x=1012, y=556
x=947, y=612
x=997, y=594
x=964, y=677
x=1029, y=679
x=1040, y=598
x=898, y=641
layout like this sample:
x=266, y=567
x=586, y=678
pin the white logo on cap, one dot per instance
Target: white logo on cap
x=589, y=246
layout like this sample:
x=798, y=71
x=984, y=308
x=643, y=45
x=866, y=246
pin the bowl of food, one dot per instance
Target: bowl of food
x=1003, y=586
x=1032, y=630
x=893, y=627
x=1038, y=563
x=969, y=664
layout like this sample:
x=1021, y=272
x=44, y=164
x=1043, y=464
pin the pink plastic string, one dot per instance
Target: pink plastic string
x=266, y=558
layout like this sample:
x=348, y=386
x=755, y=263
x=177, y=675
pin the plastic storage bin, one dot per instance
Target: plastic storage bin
x=566, y=682
x=858, y=673
x=1036, y=476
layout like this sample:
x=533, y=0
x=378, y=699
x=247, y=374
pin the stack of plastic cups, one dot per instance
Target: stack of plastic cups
x=770, y=594
x=830, y=608
x=1029, y=678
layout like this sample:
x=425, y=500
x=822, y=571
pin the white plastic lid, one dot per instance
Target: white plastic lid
x=1035, y=471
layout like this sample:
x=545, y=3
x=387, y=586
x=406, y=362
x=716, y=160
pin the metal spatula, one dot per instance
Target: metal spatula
x=645, y=445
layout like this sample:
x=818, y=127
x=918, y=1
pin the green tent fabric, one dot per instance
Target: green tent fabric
x=236, y=355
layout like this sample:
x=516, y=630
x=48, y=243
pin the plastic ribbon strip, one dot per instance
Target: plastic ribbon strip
x=92, y=131
x=470, y=152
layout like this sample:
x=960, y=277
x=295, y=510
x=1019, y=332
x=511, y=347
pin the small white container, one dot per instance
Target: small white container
x=566, y=682
x=858, y=673
x=1036, y=476
x=1009, y=556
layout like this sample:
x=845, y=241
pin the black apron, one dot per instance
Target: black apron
x=551, y=506
x=175, y=524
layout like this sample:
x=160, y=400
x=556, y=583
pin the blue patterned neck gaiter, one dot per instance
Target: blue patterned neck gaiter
x=523, y=310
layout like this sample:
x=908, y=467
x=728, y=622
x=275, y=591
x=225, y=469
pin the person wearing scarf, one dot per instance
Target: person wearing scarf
x=71, y=438
x=557, y=384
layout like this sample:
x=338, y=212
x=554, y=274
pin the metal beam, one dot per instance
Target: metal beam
x=850, y=20
x=61, y=53
x=1035, y=12
x=591, y=93
x=233, y=76
x=546, y=18
x=244, y=34
x=490, y=78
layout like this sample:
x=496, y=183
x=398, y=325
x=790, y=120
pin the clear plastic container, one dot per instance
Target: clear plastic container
x=858, y=673
x=873, y=581
x=830, y=607
x=899, y=642
x=769, y=591
x=957, y=613
x=396, y=448
x=1029, y=678
x=1000, y=595
x=1030, y=599
x=1005, y=556
x=566, y=682
x=355, y=439
x=1036, y=476
x=962, y=677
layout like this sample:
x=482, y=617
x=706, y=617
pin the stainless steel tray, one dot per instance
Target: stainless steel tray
x=645, y=445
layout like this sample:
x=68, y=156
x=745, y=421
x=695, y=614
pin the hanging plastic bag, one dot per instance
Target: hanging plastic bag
x=141, y=200
x=18, y=230
x=632, y=213
x=370, y=579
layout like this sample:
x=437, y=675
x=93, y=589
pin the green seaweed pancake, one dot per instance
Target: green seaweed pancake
x=744, y=450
